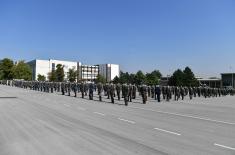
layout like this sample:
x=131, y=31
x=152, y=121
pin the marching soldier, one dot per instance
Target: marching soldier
x=63, y=88
x=91, y=89
x=152, y=91
x=130, y=93
x=168, y=93
x=74, y=88
x=190, y=93
x=118, y=89
x=100, y=89
x=177, y=93
x=112, y=92
x=158, y=93
x=82, y=88
x=134, y=92
x=144, y=91
x=125, y=92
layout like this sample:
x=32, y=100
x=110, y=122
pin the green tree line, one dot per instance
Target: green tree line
x=139, y=78
x=183, y=78
x=21, y=70
x=10, y=70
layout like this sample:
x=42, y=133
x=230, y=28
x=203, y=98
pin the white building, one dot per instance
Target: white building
x=88, y=72
x=109, y=71
x=85, y=72
x=43, y=67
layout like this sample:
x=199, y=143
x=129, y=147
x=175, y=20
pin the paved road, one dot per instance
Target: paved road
x=34, y=123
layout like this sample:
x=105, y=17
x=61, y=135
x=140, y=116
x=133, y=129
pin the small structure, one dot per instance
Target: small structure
x=210, y=82
x=228, y=79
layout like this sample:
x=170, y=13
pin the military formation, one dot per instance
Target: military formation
x=125, y=92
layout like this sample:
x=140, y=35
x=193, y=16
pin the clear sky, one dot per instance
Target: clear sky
x=137, y=34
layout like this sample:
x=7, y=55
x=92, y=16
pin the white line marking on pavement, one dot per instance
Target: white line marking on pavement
x=174, y=133
x=66, y=105
x=183, y=115
x=98, y=113
x=121, y=119
x=80, y=108
x=223, y=146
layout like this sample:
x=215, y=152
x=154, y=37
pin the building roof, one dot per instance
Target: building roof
x=227, y=73
x=209, y=79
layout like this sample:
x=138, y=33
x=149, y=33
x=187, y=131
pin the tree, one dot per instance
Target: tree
x=189, y=78
x=72, y=75
x=22, y=71
x=157, y=73
x=6, y=66
x=116, y=80
x=153, y=77
x=140, y=78
x=183, y=78
x=41, y=77
x=100, y=79
x=59, y=72
x=177, y=79
x=52, y=76
x=131, y=79
x=124, y=77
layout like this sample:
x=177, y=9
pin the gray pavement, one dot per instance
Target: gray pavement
x=37, y=123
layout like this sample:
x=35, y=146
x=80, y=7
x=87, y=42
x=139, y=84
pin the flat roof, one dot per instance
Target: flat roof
x=209, y=79
x=226, y=73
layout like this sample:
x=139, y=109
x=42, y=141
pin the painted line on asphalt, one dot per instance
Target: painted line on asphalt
x=66, y=105
x=174, y=133
x=183, y=115
x=223, y=146
x=125, y=120
x=80, y=108
x=98, y=113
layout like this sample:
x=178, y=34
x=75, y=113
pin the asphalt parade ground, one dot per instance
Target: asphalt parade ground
x=38, y=123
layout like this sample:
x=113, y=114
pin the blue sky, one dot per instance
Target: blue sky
x=137, y=34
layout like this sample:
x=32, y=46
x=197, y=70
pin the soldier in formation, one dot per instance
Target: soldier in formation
x=127, y=91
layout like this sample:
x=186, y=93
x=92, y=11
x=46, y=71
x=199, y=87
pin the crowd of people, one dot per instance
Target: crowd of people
x=126, y=91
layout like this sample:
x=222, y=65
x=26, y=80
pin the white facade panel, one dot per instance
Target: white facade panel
x=114, y=71
x=109, y=71
x=42, y=68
